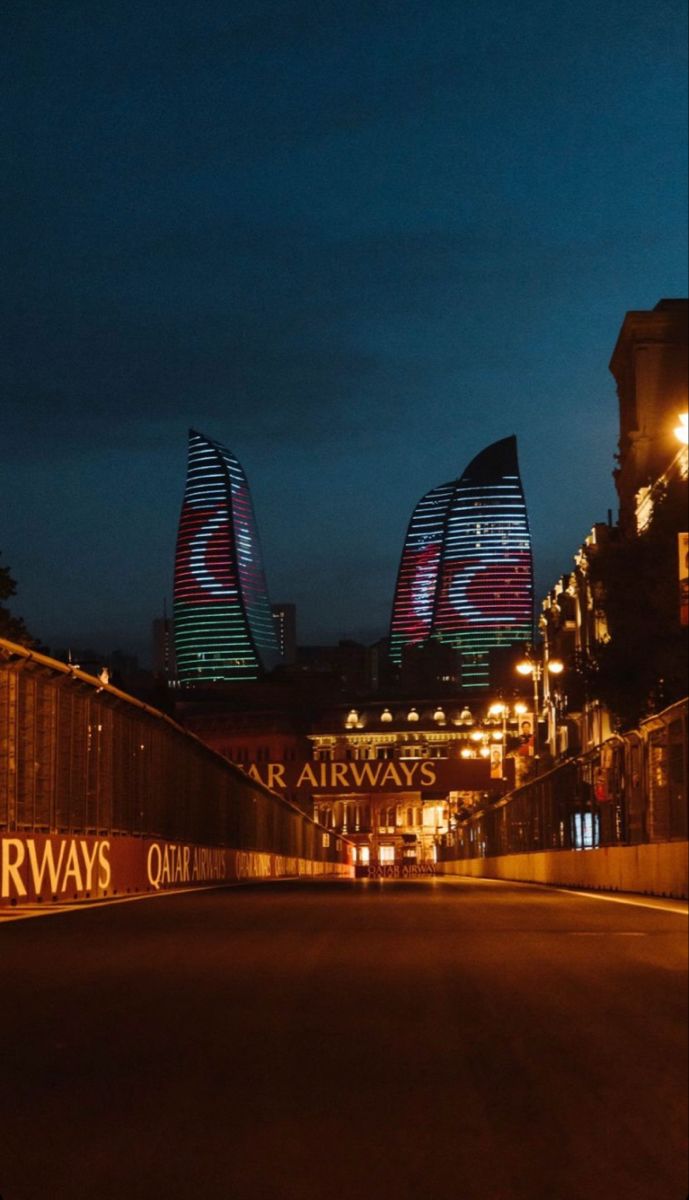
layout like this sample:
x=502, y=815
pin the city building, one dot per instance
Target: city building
x=224, y=627
x=582, y=619
x=649, y=364
x=390, y=775
x=163, y=637
x=285, y=618
x=466, y=572
x=574, y=626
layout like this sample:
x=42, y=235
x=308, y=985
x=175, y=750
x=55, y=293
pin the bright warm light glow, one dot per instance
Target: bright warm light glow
x=352, y=717
x=520, y=708
x=438, y=715
x=484, y=752
x=555, y=666
x=466, y=753
x=466, y=717
x=497, y=736
x=496, y=710
x=386, y=715
x=476, y=737
x=525, y=667
x=412, y=715
x=682, y=430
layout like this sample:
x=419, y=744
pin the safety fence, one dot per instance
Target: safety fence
x=100, y=793
x=629, y=791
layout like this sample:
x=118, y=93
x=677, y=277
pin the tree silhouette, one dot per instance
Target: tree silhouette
x=12, y=628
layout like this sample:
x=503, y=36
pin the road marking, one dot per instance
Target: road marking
x=25, y=912
x=642, y=902
x=679, y=907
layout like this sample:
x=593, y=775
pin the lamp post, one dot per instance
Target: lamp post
x=500, y=710
x=530, y=665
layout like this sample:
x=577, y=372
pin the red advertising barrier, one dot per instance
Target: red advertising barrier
x=41, y=867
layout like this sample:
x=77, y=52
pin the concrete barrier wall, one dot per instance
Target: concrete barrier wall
x=655, y=869
x=39, y=868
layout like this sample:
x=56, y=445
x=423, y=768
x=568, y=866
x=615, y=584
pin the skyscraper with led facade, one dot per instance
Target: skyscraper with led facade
x=466, y=573
x=224, y=628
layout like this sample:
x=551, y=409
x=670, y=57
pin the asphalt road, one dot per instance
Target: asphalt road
x=460, y=1040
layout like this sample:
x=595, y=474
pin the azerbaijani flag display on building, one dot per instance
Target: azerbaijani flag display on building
x=466, y=573
x=224, y=627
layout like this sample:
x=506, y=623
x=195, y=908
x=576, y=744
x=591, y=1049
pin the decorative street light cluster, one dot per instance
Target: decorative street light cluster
x=502, y=710
x=531, y=665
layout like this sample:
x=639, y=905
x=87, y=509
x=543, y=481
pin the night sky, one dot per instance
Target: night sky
x=353, y=241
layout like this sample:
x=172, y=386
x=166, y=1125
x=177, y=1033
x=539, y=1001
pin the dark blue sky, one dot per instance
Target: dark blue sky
x=354, y=241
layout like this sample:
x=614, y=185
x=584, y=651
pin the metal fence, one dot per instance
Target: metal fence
x=631, y=789
x=80, y=757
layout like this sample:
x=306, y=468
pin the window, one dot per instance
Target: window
x=585, y=830
x=386, y=854
x=412, y=750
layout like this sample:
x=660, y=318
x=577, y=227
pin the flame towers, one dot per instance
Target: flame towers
x=466, y=575
x=224, y=627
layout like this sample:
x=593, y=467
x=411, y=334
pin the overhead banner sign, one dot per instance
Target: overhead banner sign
x=384, y=775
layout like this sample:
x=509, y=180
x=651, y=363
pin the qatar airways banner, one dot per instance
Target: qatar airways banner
x=38, y=867
x=434, y=775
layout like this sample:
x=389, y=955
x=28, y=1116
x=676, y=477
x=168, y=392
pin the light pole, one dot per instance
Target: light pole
x=530, y=665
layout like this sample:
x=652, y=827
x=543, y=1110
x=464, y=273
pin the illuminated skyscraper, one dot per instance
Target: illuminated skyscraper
x=466, y=575
x=224, y=627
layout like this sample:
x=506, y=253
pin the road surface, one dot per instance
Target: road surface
x=458, y=1039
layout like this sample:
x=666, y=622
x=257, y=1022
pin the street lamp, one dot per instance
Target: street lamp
x=500, y=710
x=530, y=665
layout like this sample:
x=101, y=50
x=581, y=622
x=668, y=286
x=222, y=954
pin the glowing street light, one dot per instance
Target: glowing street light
x=500, y=710
x=530, y=665
x=682, y=430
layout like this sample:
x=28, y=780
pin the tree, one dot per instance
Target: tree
x=644, y=665
x=12, y=628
